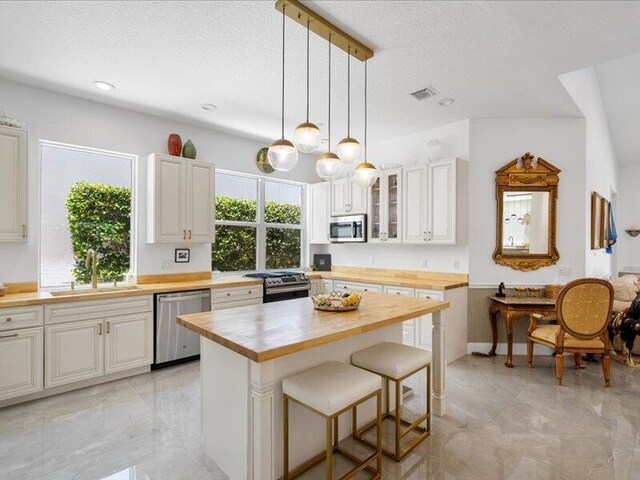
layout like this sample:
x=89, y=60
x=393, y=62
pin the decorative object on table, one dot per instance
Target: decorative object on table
x=322, y=262
x=552, y=291
x=336, y=301
x=626, y=325
x=189, y=150
x=183, y=255
x=534, y=291
x=521, y=292
x=529, y=182
x=3, y=289
x=8, y=120
x=501, y=288
x=263, y=161
x=174, y=145
x=633, y=231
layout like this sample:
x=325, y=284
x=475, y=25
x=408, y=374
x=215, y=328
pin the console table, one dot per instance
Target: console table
x=511, y=309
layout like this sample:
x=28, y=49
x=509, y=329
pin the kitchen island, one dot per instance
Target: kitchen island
x=247, y=351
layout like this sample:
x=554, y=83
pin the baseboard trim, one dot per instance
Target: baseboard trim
x=518, y=349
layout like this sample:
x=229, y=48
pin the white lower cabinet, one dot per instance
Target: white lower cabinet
x=327, y=286
x=316, y=286
x=425, y=324
x=408, y=327
x=20, y=362
x=357, y=287
x=128, y=342
x=74, y=352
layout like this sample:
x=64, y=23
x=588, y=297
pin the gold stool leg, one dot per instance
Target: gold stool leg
x=428, y=399
x=285, y=430
x=398, y=415
x=379, y=431
x=329, y=450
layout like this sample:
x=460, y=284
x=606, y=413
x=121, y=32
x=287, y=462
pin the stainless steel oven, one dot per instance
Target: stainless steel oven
x=351, y=228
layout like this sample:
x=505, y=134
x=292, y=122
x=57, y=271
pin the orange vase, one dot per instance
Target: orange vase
x=174, y=145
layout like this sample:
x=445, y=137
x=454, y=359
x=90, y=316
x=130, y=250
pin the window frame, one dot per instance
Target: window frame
x=260, y=224
x=133, y=240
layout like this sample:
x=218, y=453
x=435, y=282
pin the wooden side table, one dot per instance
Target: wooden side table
x=511, y=309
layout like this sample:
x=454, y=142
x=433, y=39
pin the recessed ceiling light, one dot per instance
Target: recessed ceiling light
x=209, y=106
x=104, y=85
x=445, y=102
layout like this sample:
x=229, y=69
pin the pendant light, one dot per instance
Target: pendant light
x=349, y=148
x=282, y=155
x=307, y=135
x=366, y=173
x=329, y=165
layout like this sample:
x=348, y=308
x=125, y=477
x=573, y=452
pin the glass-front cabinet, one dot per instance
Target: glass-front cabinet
x=384, y=208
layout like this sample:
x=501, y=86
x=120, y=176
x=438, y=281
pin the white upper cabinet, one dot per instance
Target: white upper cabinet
x=180, y=200
x=435, y=200
x=347, y=197
x=385, y=212
x=13, y=185
x=318, y=212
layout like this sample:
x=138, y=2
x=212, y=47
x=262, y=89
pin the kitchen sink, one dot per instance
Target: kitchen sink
x=92, y=291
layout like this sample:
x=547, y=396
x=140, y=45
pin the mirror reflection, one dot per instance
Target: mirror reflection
x=525, y=229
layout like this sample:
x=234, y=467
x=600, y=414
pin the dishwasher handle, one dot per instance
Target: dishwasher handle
x=180, y=298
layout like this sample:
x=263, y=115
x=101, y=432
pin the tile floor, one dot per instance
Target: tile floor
x=501, y=424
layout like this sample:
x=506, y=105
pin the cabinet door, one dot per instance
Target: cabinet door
x=415, y=209
x=425, y=323
x=442, y=198
x=13, y=185
x=166, y=207
x=201, y=203
x=73, y=352
x=392, y=207
x=376, y=229
x=359, y=196
x=128, y=342
x=340, y=196
x=318, y=217
x=315, y=287
x=327, y=286
x=21, y=361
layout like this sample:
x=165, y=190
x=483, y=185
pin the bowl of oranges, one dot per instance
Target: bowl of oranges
x=336, y=301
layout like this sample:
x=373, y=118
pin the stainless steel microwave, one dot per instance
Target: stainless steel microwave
x=350, y=228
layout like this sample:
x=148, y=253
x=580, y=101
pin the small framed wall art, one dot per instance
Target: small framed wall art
x=183, y=255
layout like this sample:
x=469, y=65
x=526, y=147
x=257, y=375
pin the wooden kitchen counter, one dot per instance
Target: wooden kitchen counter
x=271, y=330
x=45, y=297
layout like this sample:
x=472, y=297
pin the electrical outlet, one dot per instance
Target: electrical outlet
x=456, y=265
x=166, y=264
x=565, y=270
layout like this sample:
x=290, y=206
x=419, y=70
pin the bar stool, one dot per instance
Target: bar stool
x=329, y=390
x=396, y=362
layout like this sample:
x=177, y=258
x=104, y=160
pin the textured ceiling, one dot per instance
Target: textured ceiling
x=497, y=59
x=620, y=90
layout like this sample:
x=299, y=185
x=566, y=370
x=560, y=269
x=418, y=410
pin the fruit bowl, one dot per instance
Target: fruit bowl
x=336, y=301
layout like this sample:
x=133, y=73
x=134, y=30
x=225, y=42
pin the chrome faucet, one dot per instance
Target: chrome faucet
x=92, y=260
x=510, y=239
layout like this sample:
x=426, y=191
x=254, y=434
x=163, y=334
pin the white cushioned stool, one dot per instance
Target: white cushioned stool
x=395, y=362
x=331, y=389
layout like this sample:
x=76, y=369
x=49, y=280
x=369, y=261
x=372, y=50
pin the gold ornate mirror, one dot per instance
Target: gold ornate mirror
x=526, y=195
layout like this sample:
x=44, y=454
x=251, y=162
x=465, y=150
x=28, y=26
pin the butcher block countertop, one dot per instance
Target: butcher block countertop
x=271, y=330
x=45, y=297
x=397, y=278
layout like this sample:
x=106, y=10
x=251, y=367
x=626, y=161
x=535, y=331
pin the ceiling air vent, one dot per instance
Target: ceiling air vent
x=425, y=93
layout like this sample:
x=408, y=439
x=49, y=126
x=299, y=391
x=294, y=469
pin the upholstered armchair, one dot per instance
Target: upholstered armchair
x=583, y=311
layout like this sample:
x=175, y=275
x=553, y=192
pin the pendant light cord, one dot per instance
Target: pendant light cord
x=308, y=22
x=349, y=92
x=365, y=111
x=283, y=46
x=329, y=122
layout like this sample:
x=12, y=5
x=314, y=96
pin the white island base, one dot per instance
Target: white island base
x=242, y=403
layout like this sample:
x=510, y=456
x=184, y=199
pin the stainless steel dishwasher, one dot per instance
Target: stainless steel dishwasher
x=174, y=343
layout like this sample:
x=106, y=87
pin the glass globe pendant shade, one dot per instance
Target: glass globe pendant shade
x=282, y=155
x=366, y=174
x=349, y=150
x=328, y=166
x=307, y=137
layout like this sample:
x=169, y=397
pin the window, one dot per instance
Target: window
x=86, y=203
x=259, y=223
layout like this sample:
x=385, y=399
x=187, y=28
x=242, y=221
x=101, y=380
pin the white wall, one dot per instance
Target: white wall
x=601, y=161
x=408, y=150
x=495, y=142
x=62, y=118
x=628, y=216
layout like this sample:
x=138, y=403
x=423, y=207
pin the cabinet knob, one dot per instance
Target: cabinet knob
x=24, y=231
x=100, y=329
x=228, y=294
x=9, y=319
x=12, y=335
x=108, y=327
x=189, y=234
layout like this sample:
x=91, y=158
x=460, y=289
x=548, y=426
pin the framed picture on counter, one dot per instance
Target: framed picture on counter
x=183, y=255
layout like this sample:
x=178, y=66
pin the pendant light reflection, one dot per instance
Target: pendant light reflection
x=366, y=173
x=349, y=148
x=282, y=155
x=329, y=166
x=307, y=135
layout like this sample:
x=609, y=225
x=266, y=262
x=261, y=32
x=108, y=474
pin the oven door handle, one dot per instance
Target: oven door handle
x=300, y=288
